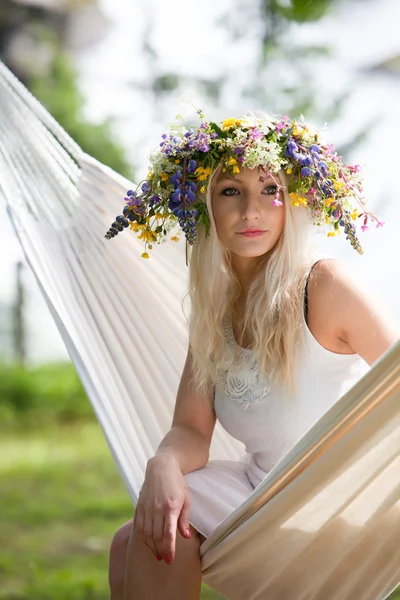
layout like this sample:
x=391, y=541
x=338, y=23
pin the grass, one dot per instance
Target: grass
x=62, y=499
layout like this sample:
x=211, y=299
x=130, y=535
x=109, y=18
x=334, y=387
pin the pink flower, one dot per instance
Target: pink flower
x=380, y=224
x=364, y=227
x=277, y=202
x=255, y=133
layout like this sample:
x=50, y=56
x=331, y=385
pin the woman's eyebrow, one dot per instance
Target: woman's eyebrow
x=237, y=179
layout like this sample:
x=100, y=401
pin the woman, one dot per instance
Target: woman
x=277, y=333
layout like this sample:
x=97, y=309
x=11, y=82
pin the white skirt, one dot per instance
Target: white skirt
x=215, y=491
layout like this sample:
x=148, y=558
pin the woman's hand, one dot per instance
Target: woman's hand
x=163, y=507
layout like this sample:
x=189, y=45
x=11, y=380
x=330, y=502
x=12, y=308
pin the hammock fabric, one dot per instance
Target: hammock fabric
x=325, y=523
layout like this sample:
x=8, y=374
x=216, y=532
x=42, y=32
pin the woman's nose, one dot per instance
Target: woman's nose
x=250, y=208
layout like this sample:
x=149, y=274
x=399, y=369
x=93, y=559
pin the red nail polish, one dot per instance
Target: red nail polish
x=158, y=558
x=168, y=559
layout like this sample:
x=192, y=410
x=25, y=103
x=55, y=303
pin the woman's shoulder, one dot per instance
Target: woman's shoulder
x=345, y=311
x=325, y=303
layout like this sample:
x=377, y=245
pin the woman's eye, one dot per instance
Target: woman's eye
x=271, y=190
x=226, y=191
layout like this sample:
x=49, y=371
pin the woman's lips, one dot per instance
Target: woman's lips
x=252, y=234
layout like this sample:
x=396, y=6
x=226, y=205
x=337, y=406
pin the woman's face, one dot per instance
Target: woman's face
x=245, y=203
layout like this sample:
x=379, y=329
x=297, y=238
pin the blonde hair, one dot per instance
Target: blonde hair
x=274, y=302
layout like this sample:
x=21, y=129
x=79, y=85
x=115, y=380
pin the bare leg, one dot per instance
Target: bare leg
x=116, y=567
x=145, y=577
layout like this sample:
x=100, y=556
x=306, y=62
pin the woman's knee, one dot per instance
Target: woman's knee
x=118, y=550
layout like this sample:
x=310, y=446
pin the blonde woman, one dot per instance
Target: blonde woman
x=277, y=332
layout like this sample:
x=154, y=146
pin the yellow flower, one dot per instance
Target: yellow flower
x=149, y=174
x=331, y=234
x=134, y=226
x=202, y=189
x=289, y=170
x=230, y=123
x=298, y=200
x=354, y=214
x=300, y=130
x=329, y=201
x=148, y=235
x=232, y=161
x=145, y=255
x=175, y=238
x=177, y=161
x=338, y=185
x=326, y=219
x=202, y=173
x=164, y=176
x=159, y=215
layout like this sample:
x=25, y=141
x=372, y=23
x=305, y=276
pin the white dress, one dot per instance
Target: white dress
x=268, y=421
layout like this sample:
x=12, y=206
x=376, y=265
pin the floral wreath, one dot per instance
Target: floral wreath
x=180, y=169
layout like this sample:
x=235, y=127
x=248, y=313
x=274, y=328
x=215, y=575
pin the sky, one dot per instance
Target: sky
x=364, y=33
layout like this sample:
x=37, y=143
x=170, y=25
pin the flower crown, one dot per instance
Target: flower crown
x=173, y=192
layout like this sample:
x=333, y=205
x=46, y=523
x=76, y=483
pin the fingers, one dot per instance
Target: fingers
x=148, y=534
x=158, y=534
x=170, y=527
x=183, y=522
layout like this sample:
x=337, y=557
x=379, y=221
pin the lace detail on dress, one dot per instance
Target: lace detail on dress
x=240, y=376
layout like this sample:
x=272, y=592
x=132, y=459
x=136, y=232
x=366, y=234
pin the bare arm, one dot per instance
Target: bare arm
x=163, y=505
x=188, y=441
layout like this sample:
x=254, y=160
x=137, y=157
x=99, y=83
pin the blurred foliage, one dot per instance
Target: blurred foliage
x=57, y=90
x=298, y=10
x=46, y=69
x=49, y=394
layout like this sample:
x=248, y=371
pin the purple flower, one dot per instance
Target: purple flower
x=177, y=196
x=175, y=179
x=192, y=166
x=306, y=172
x=190, y=196
x=130, y=193
x=305, y=161
x=315, y=148
x=291, y=148
x=145, y=187
x=154, y=200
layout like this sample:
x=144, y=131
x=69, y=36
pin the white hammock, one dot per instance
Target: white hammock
x=325, y=523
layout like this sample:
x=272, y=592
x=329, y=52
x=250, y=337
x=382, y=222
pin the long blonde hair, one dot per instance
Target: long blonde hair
x=274, y=302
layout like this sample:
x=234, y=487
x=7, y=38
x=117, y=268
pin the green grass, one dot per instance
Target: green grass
x=61, y=501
